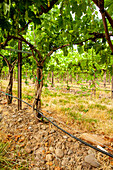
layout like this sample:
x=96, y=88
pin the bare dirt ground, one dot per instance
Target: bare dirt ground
x=37, y=145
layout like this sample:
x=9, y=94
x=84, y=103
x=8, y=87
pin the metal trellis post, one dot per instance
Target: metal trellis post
x=19, y=75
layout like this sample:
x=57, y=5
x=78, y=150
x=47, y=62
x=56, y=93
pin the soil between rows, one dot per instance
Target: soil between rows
x=38, y=145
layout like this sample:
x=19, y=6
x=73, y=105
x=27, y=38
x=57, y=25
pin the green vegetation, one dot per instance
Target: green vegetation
x=27, y=97
x=5, y=160
x=70, y=60
x=61, y=27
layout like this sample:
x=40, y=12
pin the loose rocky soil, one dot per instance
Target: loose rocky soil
x=41, y=146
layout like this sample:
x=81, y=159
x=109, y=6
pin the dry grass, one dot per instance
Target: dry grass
x=81, y=110
x=89, y=113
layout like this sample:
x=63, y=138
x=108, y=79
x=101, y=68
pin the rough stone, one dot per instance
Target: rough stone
x=38, y=141
x=65, y=137
x=5, y=113
x=51, y=149
x=63, y=147
x=77, y=145
x=59, y=145
x=59, y=153
x=30, y=128
x=20, y=126
x=42, y=133
x=70, y=152
x=41, y=150
x=72, y=160
x=65, y=152
x=28, y=150
x=90, y=151
x=13, y=116
x=37, y=138
x=92, y=160
x=20, y=119
x=44, y=127
x=49, y=157
x=52, y=131
x=70, y=140
x=65, y=161
x=79, y=167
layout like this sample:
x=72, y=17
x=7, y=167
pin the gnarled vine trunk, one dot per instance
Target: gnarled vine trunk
x=10, y=86
x=39, y=85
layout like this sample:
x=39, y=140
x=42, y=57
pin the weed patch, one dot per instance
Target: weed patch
x=76, y=116
x=6, y=162
x=98, y=106
x=27, y=97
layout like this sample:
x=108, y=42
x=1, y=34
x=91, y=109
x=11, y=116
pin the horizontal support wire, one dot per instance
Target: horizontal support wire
x=10, y=49
x=78, y=139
